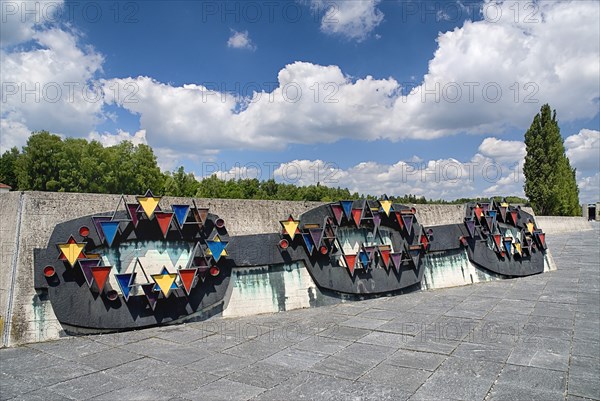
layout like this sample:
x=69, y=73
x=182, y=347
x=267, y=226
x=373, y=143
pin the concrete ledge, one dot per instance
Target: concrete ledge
x=559, y=224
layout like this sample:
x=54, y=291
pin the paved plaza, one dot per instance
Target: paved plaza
x=533, y=338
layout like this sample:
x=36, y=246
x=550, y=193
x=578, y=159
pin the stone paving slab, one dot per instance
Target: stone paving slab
x=532, y=338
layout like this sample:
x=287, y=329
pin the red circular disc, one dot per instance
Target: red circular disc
x=324, y=250
x=49, y=271
x=284, y=244
x=214, y=271
x=220, y=223
x=84, y=231
x=112, y=295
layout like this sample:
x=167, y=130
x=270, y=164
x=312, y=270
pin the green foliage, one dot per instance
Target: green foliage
x=550, y=181
x=48, y=163
x=8, y=161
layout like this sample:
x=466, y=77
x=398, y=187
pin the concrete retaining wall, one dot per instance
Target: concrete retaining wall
x=558, y=224
x=28, y=219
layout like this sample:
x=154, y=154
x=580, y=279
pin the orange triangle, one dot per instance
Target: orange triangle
x=187, y=278
x=350, y=262
x=100, y=274
x=356, y=215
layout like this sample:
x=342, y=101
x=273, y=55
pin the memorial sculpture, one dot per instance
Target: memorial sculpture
x=147, y=264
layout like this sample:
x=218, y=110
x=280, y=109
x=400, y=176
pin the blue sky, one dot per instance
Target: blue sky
x=180, y=76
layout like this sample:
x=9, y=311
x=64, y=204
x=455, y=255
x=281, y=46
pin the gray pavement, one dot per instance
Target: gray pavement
x=534, y=338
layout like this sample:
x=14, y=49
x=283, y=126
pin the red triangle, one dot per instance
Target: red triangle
x=164, y=221
x=385, y=255
x=350, y=262
x=101, y=274
x=513, y=214
x=399, y=218
x=477, y=211
x=356, y=215
x=424, y=241
x=187, y=278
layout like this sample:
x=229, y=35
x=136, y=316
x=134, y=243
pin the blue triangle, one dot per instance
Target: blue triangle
x=124, y=280
x=110, y=229
x=347, y=207
x=216, y=248
x=364, y=259
x=181, y=212
x=507, y=246
x=308, y=242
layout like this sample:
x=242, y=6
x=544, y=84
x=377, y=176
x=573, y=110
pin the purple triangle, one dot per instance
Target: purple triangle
x=132, y=210
x=397, y=260
x=86, y=268
x=471, y=227
x=151, y=296
x=376, y=220
x=316, y=234
x=408, y=221
x=337, y=213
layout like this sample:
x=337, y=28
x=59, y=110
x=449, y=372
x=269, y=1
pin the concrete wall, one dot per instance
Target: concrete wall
x=24, y=317
x=29, y=318
x=559, y=224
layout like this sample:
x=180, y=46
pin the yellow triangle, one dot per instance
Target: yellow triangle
x=530, y=227
x=149, y=205
x=71, y=251
x=518, y=247
x=386, y=205
x=290, y=227
x=164, y=282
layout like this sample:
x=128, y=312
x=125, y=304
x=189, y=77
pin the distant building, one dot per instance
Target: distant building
x=591, y=211
x=4, y=188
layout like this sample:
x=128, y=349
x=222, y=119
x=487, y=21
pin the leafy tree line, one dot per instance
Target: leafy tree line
x=550, y=182
x=49, y=163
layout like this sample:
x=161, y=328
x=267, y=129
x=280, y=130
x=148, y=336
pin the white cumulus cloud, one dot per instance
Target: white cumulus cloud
x=354, y=19
x=240, y=40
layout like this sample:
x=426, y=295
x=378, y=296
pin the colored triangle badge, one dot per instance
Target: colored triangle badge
x=164, y=282
x=150, y=294
x=316, y=234
x=97, y=220
x=337, y=213
x=125, y=281
x=385, y=257
x=71, y=251
x=514, y=217
x=187, y=277
x=290, y=226
x=181, y=213
x=149, y=203
x=397, y=260
x=356, y=216
x=508, y=245
x=308, y=242
x=101, y=274
x=399, y=219
x=407, y=219
x=110, y=230
x=164, y=221
x=86, y=268
x=347, y=208
x=350, y=262
x=470, y=223
x=132, y=210
x=386, y=205
x=217, y=248
x=477, y=210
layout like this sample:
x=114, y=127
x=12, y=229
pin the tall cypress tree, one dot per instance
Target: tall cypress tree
x=550, y=181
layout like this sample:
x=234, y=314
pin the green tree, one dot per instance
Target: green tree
x=179, y=183
x=38, y=168
x=8, y=162
x=550, y=181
